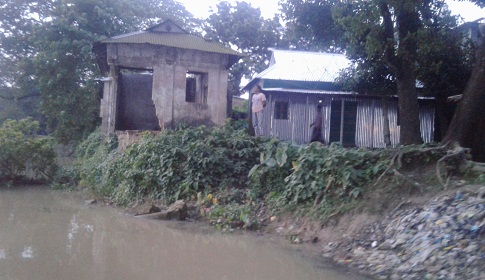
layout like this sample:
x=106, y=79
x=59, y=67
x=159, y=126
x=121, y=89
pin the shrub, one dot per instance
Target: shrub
x=92, y=155
x=300, y=174
x=23, y=153
x=275, y=164
x=172, y=165
x=322, y=171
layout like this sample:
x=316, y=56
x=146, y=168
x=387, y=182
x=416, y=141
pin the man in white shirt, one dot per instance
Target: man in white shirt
x=258, y=103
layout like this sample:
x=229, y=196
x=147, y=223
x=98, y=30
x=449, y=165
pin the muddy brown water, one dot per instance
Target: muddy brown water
x=47, y=234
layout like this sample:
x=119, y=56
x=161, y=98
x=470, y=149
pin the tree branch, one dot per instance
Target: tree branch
x=389, y=55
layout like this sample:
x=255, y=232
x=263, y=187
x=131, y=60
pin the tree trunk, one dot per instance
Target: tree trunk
x=408, y=107
x=401, y=64
x=467, y=127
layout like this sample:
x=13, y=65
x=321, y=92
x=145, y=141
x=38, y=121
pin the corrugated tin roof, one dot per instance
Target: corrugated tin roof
x=309, y=91
x=304, y=66
x=170, y=34
x=176, y=40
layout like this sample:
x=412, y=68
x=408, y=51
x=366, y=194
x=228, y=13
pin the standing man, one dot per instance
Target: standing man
x=258, y=103
x=317, y=126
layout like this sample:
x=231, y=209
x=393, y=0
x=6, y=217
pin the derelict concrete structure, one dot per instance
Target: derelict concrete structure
x=161, y=78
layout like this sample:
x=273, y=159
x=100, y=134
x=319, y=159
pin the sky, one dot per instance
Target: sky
x=200, y=8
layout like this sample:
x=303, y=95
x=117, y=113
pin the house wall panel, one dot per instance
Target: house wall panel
x=369, y=123
x=426, y=117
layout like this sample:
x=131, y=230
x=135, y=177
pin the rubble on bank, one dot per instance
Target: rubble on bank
x=443, y=239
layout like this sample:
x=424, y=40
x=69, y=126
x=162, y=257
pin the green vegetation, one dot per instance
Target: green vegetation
x=47, y=66
x=24, y=155
x=231, y=175
x=48, y=72
x=169, y=166
x=236, y=181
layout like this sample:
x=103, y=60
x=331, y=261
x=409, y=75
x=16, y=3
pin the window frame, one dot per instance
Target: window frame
x=281, y=110
x=198, y=84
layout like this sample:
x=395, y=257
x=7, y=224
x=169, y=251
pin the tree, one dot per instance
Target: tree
x=444, y=67
x=310, y=26
x=240, y=25
x=393, y=43
x=394, y=32
x=46, y=51
x=467, y=127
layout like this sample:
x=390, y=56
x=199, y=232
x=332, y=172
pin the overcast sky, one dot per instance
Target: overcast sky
x=200, y=8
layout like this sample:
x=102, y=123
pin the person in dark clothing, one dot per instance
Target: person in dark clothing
x=317, y=126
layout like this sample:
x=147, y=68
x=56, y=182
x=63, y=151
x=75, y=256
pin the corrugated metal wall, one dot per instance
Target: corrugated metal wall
x=370, y=121
x=427, y=123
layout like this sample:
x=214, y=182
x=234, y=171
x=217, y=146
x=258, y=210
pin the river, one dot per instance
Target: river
x=46, y=235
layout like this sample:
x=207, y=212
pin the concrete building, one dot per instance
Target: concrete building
x=163, y=77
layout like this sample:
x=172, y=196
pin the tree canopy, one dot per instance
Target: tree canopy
x=45, y=53
x=241, y=26
x=394, y=44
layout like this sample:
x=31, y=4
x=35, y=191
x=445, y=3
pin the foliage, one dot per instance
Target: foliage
x=412, y=40
x=240, y=112
x=242, y=26
x=239, y=180
x=310, y=25
x=231, y=216
x=23, y=153
x=172, y=165
x=239, y=117
x=315, y=171
x=332, y=171
x=91, y=157
x=46, y=53
x=228, y=209
x=274, y=166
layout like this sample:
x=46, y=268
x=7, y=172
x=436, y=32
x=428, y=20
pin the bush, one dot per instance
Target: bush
x=92, y=156
x=169, y=166
x=302, y=174
x=322, y=171
x=275, y=164
x=24, y=154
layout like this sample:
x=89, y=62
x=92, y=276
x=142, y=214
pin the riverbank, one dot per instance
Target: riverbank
x=392, y=234
x=348, y=203
x=433, y=235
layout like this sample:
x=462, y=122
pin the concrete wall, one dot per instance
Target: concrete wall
x=169, y=66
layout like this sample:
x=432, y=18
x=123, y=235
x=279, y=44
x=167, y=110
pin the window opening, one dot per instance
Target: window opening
x=196, y=87
x=343, y=121
x=281, y=110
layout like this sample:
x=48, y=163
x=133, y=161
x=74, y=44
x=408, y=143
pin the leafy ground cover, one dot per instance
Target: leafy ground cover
x=25, y=155
x=239, y=181
x=315, y=194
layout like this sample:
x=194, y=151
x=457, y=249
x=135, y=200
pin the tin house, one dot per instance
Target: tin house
x=163, y=77
x=295, y=82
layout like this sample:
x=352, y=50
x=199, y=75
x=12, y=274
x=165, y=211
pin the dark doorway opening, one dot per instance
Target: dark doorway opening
x=343, y=121
x=135, y=108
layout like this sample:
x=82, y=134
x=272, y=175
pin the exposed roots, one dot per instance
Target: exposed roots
x=452, y=162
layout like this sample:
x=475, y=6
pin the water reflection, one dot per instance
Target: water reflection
x=53, y=235
x=28, y=253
